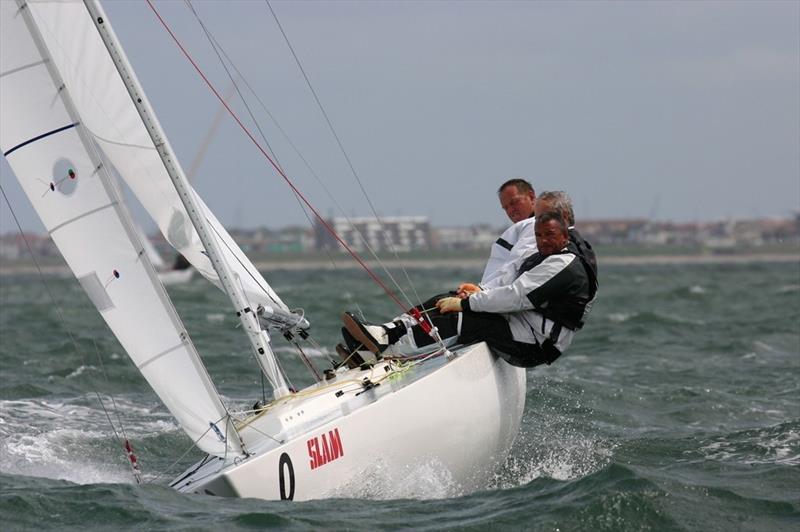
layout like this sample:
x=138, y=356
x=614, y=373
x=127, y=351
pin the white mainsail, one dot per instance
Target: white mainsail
x=109, y=115
x=49, y=142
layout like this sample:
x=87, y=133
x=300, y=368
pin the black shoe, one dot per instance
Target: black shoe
x=351, y=358
x=349, y=342
x=373, y=337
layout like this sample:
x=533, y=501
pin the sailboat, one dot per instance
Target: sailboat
x=74, y=116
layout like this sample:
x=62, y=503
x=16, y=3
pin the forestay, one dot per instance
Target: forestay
x=55, y=103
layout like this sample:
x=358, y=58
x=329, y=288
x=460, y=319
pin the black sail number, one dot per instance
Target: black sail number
x=285, y=468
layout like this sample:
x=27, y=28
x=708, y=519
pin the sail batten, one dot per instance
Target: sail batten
x=61, y=169
x=110, y=205
x=39, y=137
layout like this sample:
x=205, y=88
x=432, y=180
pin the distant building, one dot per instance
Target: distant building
x=263, y=241
x=401, y=233
x=465, y=238
x=14, y=246
x=624, y=231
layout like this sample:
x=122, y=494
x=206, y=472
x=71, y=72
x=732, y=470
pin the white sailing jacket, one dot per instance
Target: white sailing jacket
x=507, y=253
x=549, y=300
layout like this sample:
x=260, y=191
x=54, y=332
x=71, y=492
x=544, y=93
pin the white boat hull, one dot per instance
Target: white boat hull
x=455, y=423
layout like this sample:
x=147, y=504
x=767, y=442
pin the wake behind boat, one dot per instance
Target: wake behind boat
x=74, y=120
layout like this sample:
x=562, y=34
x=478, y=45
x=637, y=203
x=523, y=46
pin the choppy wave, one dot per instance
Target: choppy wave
x=773, y=445
x=69, y=440
x=675, y=408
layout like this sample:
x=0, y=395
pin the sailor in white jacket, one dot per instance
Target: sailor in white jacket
x=517, y=198
x=528, y=322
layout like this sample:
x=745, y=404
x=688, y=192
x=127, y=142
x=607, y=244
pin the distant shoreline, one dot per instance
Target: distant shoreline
x=480, y=262
x=343, y=263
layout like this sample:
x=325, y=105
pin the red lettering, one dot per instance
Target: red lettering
x=336, y=444
x=331, y=449
x=310, y=445
x=326, y=450
x=317, y=456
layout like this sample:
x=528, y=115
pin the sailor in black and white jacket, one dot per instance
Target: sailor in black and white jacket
x=528, y=322
x=548, y=301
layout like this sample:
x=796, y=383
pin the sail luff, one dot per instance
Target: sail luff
x=90, y=225
x=259, y=338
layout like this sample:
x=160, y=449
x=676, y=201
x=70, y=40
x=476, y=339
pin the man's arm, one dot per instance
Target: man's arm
x=529, y=290
x=524, y=248
x=504, y=246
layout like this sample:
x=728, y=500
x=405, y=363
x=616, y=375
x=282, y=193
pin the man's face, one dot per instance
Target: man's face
x=549, y=237
x=518, y=205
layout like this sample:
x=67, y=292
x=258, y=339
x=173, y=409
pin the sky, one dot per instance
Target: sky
x=685, y=111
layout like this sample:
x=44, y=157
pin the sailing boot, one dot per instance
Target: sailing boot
x=357, y=349
x=376, y=338
x=352, y=359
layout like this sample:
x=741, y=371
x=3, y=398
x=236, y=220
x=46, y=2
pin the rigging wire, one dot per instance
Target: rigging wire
x=235, y=85
x=345, y=154
x=286, y=137
x=247, y=132
x=194, y=445
x=223, y=57
x=307, y=362
x=127, y=453
x=220, y=52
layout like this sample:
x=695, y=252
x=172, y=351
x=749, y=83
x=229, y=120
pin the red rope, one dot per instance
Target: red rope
x=327, y=226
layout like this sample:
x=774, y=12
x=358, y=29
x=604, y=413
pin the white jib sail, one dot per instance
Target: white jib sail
x=66, y=179
x=109, y=115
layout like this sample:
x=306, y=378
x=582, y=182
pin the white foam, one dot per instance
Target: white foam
x=552, y=446
x=620, y=317
x=758, y=447
x=788, y=288
x=310, y=351
x=71, y=441
x=80, y=371
x=559, y=460
x=425, y=480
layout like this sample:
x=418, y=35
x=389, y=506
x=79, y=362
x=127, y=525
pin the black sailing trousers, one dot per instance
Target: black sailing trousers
x=482, y=327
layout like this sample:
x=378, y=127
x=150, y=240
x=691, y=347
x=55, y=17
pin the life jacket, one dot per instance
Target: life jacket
x=587, y=256
x=569, y=308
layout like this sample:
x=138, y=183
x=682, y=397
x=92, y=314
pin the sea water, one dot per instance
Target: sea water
x=676, y=408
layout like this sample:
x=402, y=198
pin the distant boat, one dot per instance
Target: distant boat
x=180, y=271
x=72, y=110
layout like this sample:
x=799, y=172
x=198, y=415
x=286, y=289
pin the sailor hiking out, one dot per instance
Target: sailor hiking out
x=529, y=321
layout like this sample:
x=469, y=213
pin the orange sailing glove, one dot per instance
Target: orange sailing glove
x=449, y=304
x=465, y=289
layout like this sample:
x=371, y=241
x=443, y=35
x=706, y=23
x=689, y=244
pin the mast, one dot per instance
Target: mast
x=258, y=337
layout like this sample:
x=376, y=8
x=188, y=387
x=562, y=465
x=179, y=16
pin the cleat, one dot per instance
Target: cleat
x=373, y=337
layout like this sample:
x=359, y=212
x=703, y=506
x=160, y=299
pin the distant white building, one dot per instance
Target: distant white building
x=401, y=233
x=465, y=238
